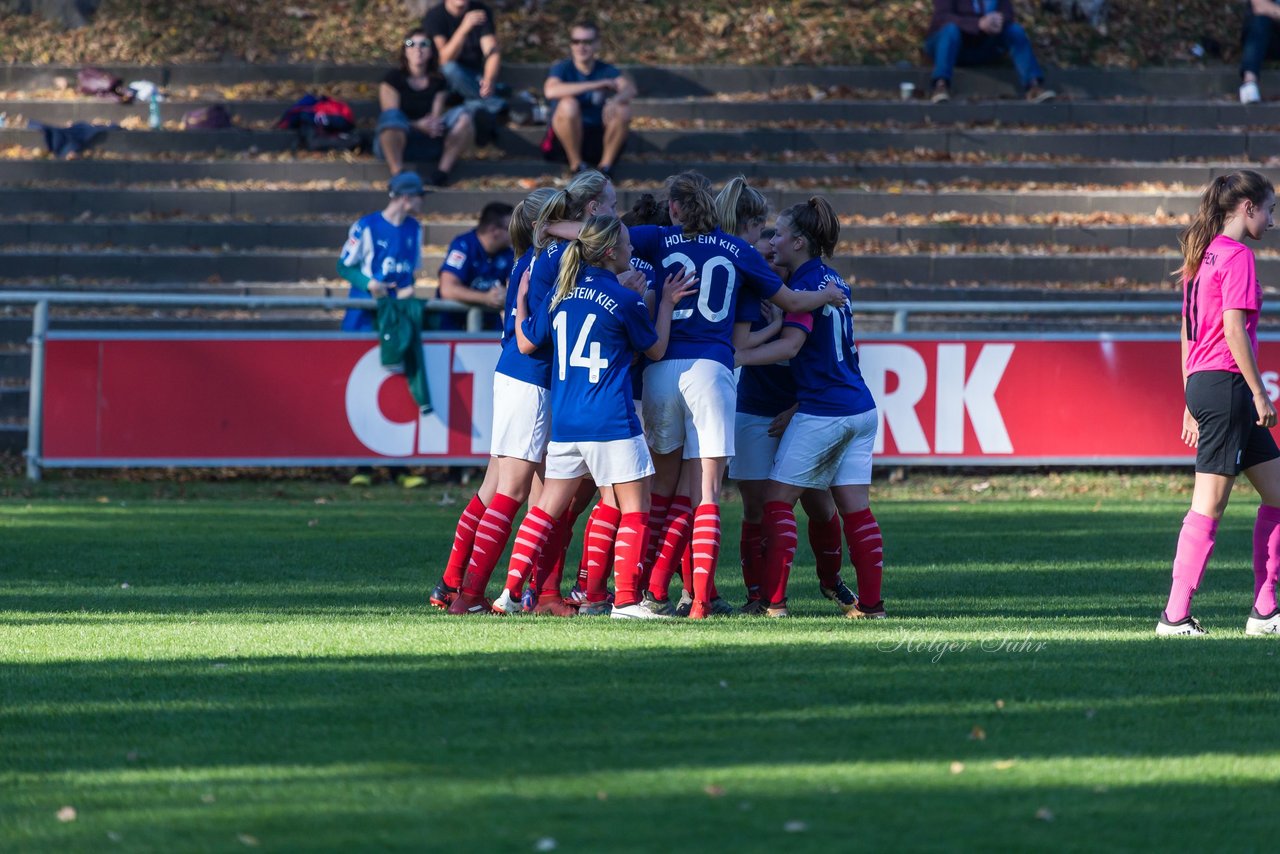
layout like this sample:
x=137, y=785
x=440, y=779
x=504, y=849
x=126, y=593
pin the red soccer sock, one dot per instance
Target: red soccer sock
x=549, y=567
x=706, y=551
x=679, y=523
x=751, y=556
x=586, y=543
x=628, y=552
x=535, y=531
x=781, y=539
x=463, y=539
x=659, y=506
x=599, y=548
x=866, y=550
x=492, y=533
x=825, y=540
x=686, y=568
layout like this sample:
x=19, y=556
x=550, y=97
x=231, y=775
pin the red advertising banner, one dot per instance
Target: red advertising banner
x=259, y=400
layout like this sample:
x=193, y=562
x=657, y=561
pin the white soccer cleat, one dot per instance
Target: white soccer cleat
x=1189, y=627
x=507, y=604
x=638, y=611
x=1249, y=93
x=1260, y=625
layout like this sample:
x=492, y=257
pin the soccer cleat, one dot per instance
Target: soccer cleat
x=685, y=603
x=465, y=603
x=1249, y=93
x=753, y=608
x=1260, y=625
x=777, y=609
x=700, y=610
x=594, y=609
x=841, y=595
x=638, y=611
x=506, y=604
x=529, y=598
x=1188, y=626
x=721, y=607
x=442, y=596
x=661, y=607
x=863, y=611
x=554, y=606
x=360, y=479
x=576, y=595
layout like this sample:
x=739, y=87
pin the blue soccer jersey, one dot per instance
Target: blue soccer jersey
x=467, y=259
x=651, y=284
x=387, y=253
x=765, y=390
x=726, y=266
x=595, y=333
x=828, y=380
x=534, y=369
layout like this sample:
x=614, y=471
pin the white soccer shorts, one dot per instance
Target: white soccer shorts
x=755, y=450
x=819, y=452
x=521, y=419
x=690, y=403
x=616, y=461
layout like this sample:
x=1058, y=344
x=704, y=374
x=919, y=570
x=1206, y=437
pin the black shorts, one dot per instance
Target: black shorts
x=1230, y=438
x=592, y=145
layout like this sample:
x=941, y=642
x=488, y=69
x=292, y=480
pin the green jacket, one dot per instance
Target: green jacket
x=400, y=340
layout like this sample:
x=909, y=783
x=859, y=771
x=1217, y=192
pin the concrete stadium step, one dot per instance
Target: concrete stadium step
x=908, y=168
x=1206, y=115
x=330, y=235
x=1189, y=83
x=525, y=142
x=14, y=402
x=279, y=203
x=292, y=266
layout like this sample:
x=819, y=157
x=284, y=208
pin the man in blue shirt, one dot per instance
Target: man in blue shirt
x=590, y=105
x=476, y=268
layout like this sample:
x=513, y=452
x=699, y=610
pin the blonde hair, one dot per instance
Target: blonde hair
x=1223, y=195
x=524, y=215
x=817, y=223
x=570, y=203
x=598, y=235
x=738, y=205
x=692, y=192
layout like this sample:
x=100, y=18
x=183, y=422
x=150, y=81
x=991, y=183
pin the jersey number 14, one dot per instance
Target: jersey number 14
x=594, y=363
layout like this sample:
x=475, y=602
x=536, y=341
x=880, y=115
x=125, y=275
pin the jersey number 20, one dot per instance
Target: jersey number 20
x=593, y=363
x=705, y=281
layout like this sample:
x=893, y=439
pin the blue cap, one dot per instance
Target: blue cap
x=406, y=184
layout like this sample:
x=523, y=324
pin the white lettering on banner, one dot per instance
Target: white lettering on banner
x=397, y=438
x=479, y=360
x=1271, y=382
x=896, y=410
x=977, y=395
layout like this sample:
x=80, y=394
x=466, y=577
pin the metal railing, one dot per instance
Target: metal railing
x=901, y=313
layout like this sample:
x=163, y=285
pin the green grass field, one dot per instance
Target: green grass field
x=226, y=665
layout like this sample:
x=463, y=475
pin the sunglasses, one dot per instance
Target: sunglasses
x=417, y=43
x=582, y=42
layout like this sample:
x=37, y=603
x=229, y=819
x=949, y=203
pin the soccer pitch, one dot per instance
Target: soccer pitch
x=215, y=666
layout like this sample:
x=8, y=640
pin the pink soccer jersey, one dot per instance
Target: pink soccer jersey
x=1225, y=280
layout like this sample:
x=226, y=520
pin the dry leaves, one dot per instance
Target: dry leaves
x=67, y=814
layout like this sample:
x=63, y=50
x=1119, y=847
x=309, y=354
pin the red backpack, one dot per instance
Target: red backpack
x=333, y=115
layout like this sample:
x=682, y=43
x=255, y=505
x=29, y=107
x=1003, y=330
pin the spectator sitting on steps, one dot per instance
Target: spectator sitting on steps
x=476, y=268
x=979, y=32
x=590, y=104
x=467, y=43
x=1261, y=20
x=414, y=124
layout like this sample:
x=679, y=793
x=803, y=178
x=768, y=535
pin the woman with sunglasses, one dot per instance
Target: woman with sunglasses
x=414, y=124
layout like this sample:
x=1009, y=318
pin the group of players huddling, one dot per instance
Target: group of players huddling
x=615, y=390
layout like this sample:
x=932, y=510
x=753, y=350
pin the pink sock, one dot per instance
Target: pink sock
x=1195, y=545
x=1266, y=559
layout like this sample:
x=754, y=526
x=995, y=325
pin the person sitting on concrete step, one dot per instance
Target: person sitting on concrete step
x=590, y=105
x=476, y=267
x=980, y=32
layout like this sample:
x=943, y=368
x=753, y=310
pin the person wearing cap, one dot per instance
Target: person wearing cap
x=590, y=105
x=980, y=32
x=383, y=251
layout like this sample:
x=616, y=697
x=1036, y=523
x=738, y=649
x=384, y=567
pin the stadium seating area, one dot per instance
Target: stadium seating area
x=985, y=197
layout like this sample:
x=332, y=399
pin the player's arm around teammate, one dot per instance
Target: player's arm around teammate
x=1228, y=413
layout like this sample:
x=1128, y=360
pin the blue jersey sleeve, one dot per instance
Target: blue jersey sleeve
x=457, y=258
x=542, y=283
x=748, y=311
x=634, y=315
x=646, y=243
x=538, y=327
x=756, y=274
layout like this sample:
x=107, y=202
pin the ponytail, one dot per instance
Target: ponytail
x=817, y=223
x=692, y=192
x=523, y=217
x=1223, y=195
x=739, y=205
x=598, y=235
x=570, y=204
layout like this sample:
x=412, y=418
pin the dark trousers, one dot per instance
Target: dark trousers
x=950, y=47
x=1259, y=42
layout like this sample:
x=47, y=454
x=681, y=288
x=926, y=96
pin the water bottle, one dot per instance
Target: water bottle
x=153, y=110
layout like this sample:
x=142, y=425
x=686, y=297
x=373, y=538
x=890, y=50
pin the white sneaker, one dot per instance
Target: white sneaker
x=1190, y=627
x=506, y=603
x=638, y=611
x=1249, y=93
x=1259, y=625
